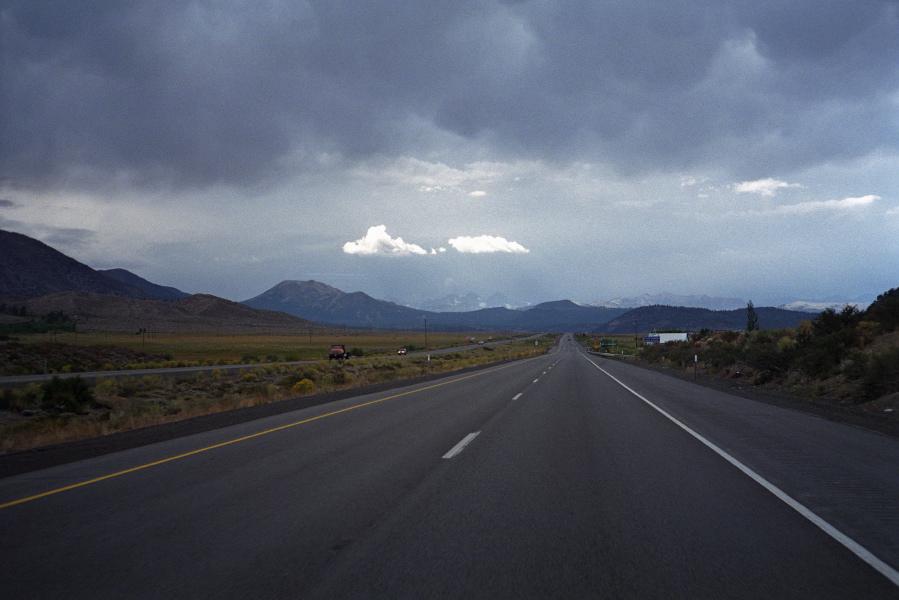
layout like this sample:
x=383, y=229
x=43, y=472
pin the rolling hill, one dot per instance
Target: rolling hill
x=197, y=313
x=650, y=318
x=30, y=268
x=160, y=292
x=322, y=303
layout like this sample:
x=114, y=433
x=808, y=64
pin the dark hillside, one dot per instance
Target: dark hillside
x=324, y=304
x=160, y=292
x=30, y=268
x=565, y=315
x=650, y=318
x=197, y=313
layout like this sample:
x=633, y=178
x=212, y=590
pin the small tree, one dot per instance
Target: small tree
x=752, y=319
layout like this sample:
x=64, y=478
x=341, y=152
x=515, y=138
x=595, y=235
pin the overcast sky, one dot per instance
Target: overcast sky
x=544, y=150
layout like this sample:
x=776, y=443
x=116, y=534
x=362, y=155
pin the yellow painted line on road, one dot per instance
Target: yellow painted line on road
x=242, y=439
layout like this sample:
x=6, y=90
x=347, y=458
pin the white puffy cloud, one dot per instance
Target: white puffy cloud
x=486, y=243
x=763, y=187
x=377, y=241
x=845, y=203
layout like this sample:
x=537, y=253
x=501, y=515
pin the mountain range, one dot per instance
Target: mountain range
x=322, y=303
x=47, y=280
x=666, y=299
x=650, y=318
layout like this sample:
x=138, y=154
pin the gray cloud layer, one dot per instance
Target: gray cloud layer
x=192, y=94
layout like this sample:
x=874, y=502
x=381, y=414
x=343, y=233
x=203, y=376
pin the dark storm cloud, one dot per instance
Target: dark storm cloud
x=214, y=92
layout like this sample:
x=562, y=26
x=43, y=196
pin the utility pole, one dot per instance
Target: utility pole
x=427, y=347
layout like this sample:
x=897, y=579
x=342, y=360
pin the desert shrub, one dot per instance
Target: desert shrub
x=719, y=354
x=730, y=336
x=248, y=377
x=820, y=359
x=128, y=387
x=701, y=334
x=72, y=394
x=356, y=352
x=292, y=378
x=303, y=386
x=827, y=341
x=882, y=375
x=341, y=378
x=885, y=310
x=249, y=358
x=31, y=395
x=855, y=365
x=673, y=353
x=386, y=366
x=765, y=354
x=106, y=387
x=7, y=399
x=271, y=358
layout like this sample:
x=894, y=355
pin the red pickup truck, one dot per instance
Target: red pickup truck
x=338, y=351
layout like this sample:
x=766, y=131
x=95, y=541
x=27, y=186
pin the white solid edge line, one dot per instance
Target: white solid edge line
x=853, y=546
x=461, y=445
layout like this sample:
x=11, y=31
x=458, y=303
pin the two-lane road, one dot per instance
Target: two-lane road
x=560, y=476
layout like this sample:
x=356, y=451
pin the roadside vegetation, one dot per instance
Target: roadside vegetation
x=67, y=409
x=15, y=320
x=850, y=357
x=70, y=352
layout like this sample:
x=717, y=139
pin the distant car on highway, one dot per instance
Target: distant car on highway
x=481, y=343
x=401, y=351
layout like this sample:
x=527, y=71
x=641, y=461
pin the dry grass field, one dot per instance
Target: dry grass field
x=260, y=347
x=72, y=409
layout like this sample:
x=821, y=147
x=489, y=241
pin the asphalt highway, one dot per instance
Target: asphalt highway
x=566, y=476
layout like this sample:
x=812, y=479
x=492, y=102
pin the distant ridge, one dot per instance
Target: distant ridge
x=30, y=268
x=322, y=303
x=197, y=313
x=161, y=292
x=666, y=299
x=817, y=307
x=650, y=318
